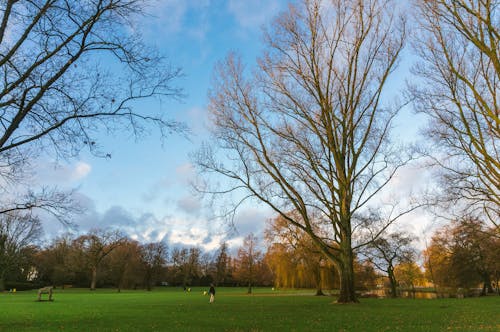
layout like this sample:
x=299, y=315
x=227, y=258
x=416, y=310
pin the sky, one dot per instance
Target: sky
x=144, y=188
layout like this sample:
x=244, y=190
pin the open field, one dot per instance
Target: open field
x=171, y=309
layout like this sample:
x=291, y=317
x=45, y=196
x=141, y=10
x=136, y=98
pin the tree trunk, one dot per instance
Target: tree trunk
x=317, y=280
x=121, y=282
x=319, y=292
x=393, y=282
x=497, y=283
x=249, y=288
x=2, y=283
x=94, y=278
x=487, y=289
x=346, y=273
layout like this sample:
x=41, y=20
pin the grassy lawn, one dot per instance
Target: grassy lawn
x=171, y=309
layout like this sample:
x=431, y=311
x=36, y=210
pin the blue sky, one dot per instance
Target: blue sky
x=144, y=188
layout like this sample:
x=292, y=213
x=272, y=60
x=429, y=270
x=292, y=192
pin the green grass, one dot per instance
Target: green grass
x=170, y=309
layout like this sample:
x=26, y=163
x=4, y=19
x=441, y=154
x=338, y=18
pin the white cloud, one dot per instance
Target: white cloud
x=81, y=170
x=55, y=173
x=191, y=237
x=172, y=17
x=235, y=243
x=253, y=14
x=169, y=14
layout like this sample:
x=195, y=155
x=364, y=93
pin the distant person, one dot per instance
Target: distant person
x=211, y=291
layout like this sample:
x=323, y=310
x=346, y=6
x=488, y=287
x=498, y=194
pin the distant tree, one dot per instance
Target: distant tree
x=437, y=260
x=25, y=270
x=194, y=265
x=222, y=265
x=70, y=69
x=307, y=131
x=125, y=266
x=207, y=269
x=17, y=233
x=294, y=250
x=283, y=265
x=389, y=251
x=186, y=268
x=53, y=263
x=247, y=260
x=459, y=90
x=472, y=246
x=95, y=247
x=409, y=275
x=154, y=256
x=462, y=254
x=177, y=270
x=366, y=276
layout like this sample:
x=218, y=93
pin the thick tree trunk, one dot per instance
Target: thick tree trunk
x=347, y=286
x=393, y=283
x=93, y=278
x=2, y=283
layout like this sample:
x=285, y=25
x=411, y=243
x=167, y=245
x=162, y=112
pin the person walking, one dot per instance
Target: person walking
x=211, y=291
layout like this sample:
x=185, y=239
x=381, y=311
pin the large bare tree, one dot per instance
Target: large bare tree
x=70, y=69
x=307, y=132
x=459, y=89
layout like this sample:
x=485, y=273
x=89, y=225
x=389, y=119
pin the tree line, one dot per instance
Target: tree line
x=460, y=255
x=102, y=258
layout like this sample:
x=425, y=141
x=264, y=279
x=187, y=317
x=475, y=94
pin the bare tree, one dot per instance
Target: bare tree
x=389, y=251
x=186, y=265
x=17, y=232
x=247, y=261
x=125, y=263
x=308, y=132
x=221, y=265
x=54, y=264
x=459, y=90
x=70, y=69
x=95, y=247
x=154, y=256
